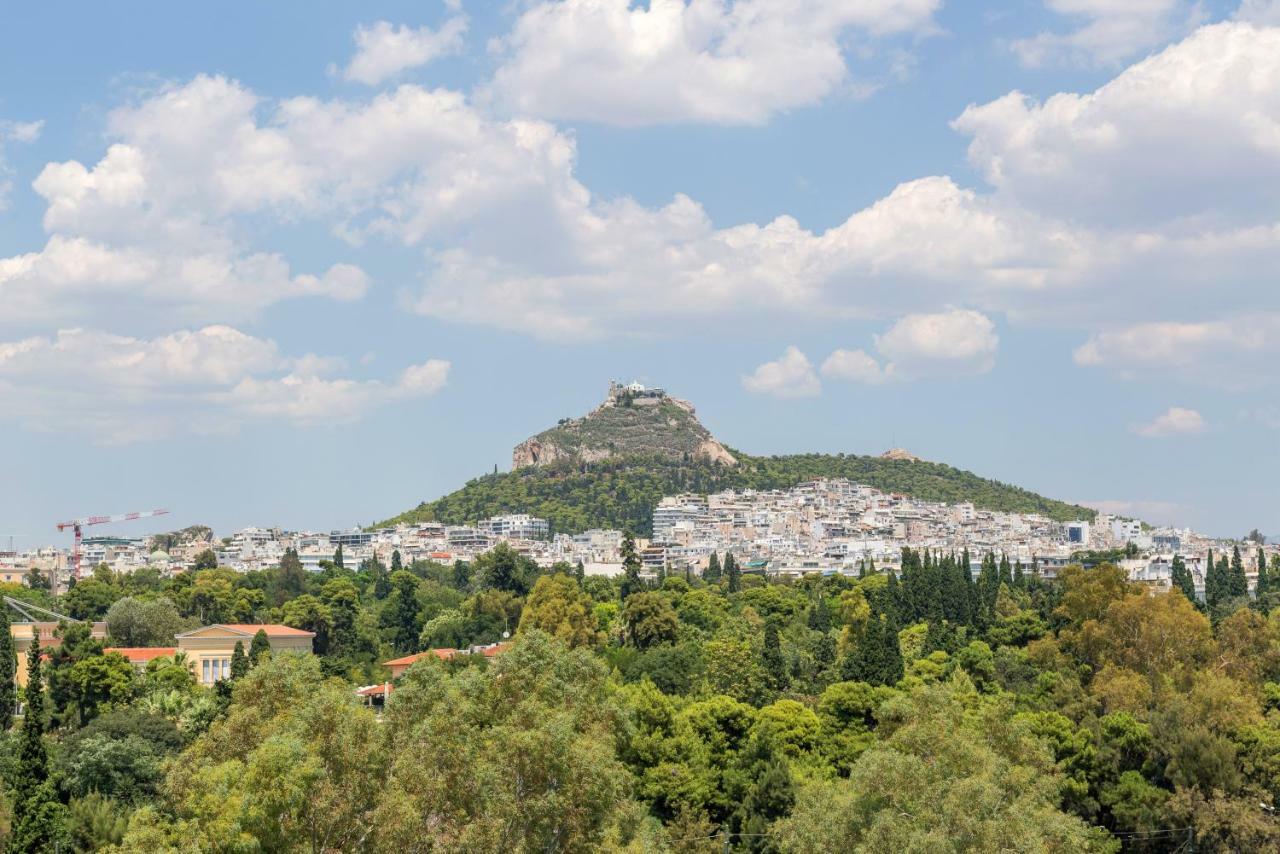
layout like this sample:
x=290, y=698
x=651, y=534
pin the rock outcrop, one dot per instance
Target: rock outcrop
x=632, y=421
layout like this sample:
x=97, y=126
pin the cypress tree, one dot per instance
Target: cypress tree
x=1181, y=578
x=1263, y=581
x=396, y=561
x=580, y=572
x=8, y=671
x=775, y=664
x=712, y=572
x=38, y=824
x=1006, y=571
x=820, y=615
x=860, y=664
x=337, y=557
x=891, y=668
x=1239, y=581
x=631, y=566
x=732, y=573
x=1214, y=584
x=258, y=647
x=239, y=661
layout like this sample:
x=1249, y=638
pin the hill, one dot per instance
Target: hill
x=620, y=492
x=632, y=421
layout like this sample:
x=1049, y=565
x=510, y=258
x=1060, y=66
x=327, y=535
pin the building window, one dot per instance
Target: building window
x=206, y=670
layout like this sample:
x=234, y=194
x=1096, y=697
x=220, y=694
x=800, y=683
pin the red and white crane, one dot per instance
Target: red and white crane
x=77, y=524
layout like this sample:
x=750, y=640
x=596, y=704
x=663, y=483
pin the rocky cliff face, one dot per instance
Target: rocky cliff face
x=625, y=425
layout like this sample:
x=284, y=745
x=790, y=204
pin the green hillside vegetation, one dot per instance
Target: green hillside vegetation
x=621, y=492
x=926, y=711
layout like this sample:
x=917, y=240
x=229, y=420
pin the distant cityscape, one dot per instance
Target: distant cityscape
x=824, y=526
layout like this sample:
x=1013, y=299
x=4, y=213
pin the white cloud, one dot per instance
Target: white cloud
x=511, y=238
x=791, y=375
x=952, y=343
x=1265, y=12
x=1175, y=421
x=854, y=366
x=1188, y=139
x=21, y=132
x=384, y=52
x=718, y=61
x=1109, y=31
x=119, y=389
x=1234, y=352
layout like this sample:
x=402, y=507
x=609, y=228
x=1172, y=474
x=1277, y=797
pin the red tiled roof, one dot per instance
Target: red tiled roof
x=497, y=649
x=142, y=654
x=375, y=690
x=417, y=656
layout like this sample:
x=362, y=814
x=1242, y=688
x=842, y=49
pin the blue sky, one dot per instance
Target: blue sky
x=307, y=264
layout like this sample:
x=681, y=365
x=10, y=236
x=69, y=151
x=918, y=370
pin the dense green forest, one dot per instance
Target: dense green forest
x=929, y=711
x=620, y=493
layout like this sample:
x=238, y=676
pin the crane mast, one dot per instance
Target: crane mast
x=77, y=524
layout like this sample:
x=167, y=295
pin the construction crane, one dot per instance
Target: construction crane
x=77, y=524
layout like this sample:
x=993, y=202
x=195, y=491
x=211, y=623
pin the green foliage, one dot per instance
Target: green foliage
x=8, y=671
x=621, y=492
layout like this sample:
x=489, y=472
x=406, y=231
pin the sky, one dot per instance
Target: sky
x=307, y=264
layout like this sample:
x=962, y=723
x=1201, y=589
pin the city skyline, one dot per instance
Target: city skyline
x=318, y=291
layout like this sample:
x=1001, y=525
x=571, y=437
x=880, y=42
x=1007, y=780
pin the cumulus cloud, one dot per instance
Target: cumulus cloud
x=1108, y=31
x=1175, y=421
x=1188, y=139
x=13, y=132
x=1237, y=352
x=1159, y=188
x=789, y=376
x=853, y=366
x=952, y=343
x=384, y=51
x=119, y=389
x=718, y=61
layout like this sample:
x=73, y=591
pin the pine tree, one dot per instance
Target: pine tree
x=712, y=573
x=38, y=824
x=258, y=647
x=8, y=671
x=239, y=661
x=461, y=577
x=732, y=573
x=580, y=572
x=397, y=562
x=337, y=557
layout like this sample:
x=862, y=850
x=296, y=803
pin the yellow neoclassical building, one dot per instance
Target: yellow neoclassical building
x=209, y=648
x=24, y=633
